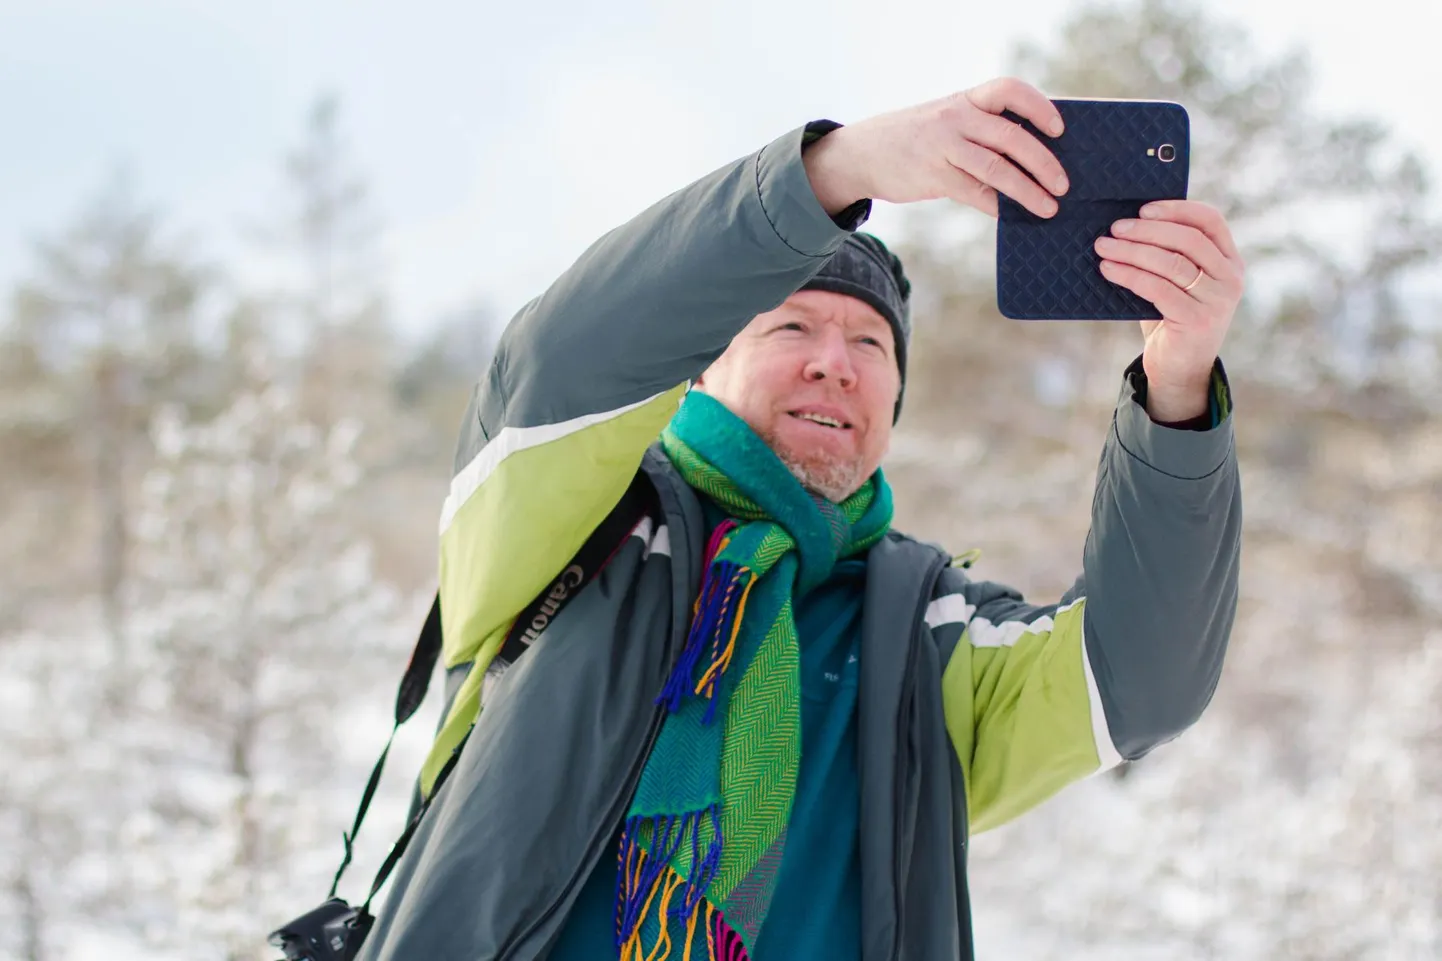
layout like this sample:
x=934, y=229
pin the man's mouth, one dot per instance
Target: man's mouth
x=821, y=419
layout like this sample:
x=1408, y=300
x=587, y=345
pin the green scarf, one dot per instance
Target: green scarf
x=705, y=833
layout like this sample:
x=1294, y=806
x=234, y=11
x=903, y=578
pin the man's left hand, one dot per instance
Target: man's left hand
x=1182, y=258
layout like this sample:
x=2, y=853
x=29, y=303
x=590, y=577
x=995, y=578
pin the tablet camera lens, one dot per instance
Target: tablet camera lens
x=1166, y=153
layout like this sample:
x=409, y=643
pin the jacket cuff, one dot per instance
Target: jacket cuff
x=790, y=203
x=1184, y=454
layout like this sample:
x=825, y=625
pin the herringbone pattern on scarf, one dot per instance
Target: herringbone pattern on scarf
x=762, y=752
x=774, y=545
x=746, y=905
x=710, y=481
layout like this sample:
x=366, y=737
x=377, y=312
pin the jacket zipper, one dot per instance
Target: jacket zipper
x=908, y=681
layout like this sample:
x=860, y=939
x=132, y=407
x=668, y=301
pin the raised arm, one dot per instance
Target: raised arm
x=1040, y=696
x=587, y=375
x=1037, y=697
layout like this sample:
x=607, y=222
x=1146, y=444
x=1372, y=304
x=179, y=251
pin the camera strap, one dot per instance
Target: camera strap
x=594, y=554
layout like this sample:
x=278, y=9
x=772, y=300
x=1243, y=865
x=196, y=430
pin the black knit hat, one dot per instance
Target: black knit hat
x=865, y=269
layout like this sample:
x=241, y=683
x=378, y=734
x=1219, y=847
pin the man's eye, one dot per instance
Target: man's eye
x=793, y=325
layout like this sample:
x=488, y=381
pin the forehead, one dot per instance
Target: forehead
x=826, y=305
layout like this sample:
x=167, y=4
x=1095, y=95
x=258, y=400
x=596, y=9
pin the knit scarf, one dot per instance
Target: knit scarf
x=706, y=830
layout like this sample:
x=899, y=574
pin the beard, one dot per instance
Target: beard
x=832, y=478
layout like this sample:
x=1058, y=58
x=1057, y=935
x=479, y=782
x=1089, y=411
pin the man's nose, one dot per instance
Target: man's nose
x=831, y=360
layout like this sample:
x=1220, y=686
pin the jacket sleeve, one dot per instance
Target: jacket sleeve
x=1037, y=697
x=586, y=376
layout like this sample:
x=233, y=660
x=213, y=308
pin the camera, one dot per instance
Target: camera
x=1166, y=153
x=332, y=932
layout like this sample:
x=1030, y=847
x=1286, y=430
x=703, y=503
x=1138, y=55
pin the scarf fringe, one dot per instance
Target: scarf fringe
x=728, y=944
x=723, y=943
x=717, y=620
x=641, y=873
x=702, y=622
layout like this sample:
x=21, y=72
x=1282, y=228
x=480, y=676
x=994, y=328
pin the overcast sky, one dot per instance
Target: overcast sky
x=499, y=138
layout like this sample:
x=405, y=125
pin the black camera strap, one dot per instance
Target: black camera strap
x=598, y=550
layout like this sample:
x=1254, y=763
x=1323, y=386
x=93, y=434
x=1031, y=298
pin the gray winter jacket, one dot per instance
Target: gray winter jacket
x=974, y=704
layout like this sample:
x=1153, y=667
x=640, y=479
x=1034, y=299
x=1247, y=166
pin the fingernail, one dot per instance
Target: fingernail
x=1106, y=243
x=1056, y=127
x=1122, y=227
x=1151, y=211
x=1061, y=184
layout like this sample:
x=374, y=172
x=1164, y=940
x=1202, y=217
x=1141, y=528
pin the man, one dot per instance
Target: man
x=769, y=724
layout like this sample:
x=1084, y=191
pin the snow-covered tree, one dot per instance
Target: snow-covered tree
x=262, y=621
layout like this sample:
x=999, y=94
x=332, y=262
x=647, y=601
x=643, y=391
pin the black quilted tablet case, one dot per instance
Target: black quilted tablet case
x=1048, y=269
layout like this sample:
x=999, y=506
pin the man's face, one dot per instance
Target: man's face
x=816, y=378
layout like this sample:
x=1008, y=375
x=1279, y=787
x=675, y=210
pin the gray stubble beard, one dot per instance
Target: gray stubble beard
x=833, y=480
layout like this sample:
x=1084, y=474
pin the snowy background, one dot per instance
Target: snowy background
x=254, y=258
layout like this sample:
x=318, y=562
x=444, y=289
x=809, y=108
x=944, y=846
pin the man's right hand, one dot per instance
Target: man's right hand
x=957, y=147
